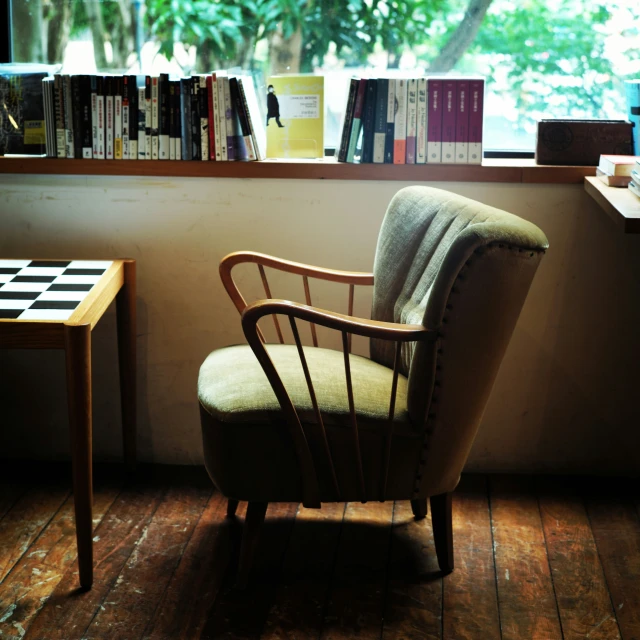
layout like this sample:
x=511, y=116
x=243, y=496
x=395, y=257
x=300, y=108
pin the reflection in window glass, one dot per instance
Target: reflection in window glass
x=541, y=58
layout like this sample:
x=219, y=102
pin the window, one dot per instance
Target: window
x=541, y=58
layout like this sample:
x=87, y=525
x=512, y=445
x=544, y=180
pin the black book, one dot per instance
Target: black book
x=163, y=117
x=177, y=121
x=109, y=92
x=368, y=121
x=185, y=118
x=348, y=120
x=172, y=120
x=132, y=82
x=195, y=119
x=238, y=104
x=203, y=109
x=76, y=115
x=85, y=131
x=390, y=113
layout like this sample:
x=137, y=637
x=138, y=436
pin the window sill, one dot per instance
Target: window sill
x=491, y=170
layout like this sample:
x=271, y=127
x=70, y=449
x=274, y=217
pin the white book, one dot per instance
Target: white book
x=142, y=116
x=109, y=127
x=117, y=127
x=421, y=135
x=178, y=149
x=216, y=117
x=204, y=121
x=154, y=118
x=133, y=149
x=172, y=148
x=222, y=118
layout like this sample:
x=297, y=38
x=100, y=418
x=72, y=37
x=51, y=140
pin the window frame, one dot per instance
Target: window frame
x=5, y=42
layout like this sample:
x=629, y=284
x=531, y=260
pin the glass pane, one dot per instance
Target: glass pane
x=541, y=58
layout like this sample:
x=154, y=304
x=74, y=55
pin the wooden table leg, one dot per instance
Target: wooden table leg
x=77, y=340
x=126, y=312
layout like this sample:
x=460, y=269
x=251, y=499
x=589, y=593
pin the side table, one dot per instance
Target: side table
x=54, y=304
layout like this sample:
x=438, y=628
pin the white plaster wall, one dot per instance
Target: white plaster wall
x=566, y=398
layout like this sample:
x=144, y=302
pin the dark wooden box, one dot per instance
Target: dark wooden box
x=580, y=142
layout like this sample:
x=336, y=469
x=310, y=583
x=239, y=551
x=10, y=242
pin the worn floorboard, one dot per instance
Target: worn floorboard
x=535, y=558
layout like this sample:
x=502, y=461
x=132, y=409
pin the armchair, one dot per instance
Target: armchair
x=305, y=424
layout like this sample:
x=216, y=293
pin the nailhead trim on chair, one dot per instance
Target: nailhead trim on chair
x=431, y=416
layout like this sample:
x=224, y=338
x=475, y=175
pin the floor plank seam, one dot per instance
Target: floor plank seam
x=386, y=582
x=493, y=551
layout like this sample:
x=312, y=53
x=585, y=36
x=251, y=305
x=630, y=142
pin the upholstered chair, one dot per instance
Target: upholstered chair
x=293, y=423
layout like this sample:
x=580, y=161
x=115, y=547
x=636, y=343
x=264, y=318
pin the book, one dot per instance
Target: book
x=141, y=123
x=86, y=117
x=356, y=122
x=100, y=112
x=172, y=121
x=400, y=123
x=76, y=115
x=221, y=121
x=412, y=120
x=195, y=119
x=476, y=110
x=380, y=120
x=68, y=116
x=212, y=124
x=126, y=108
x=185, y=119
x=203, y=108
x=632, y=95
x=347, y=120
x=434, y=117
x=250, y=153
x=370, y=101
x=163, y=116
x=614, y=165
x=230, y=127
x=634, y=188
x=177, y=120
x=462, y=122
x=58, y=98
x=254, y=116
x=421, y=135
x=118, y=87
x=155, y=115
x=49, y=117
x=295, y=116
x=132, y=82
x=392, y=107
x=108, y=115
x=449, y=108
x=613, y=181
x=148, y=138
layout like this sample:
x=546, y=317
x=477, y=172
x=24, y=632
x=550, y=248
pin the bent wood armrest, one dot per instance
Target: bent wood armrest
x=228, y=262
x=345, y=324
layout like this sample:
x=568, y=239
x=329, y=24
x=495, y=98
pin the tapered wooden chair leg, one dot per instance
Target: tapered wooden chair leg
x=252, y=525
x=232, y=507
x=443, y=530
x=419, y=508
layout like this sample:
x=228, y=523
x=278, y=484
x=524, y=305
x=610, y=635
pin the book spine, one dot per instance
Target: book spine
x=228, y=115
x=449, y=121
x=421, y=132
x=86, y=117
x=476, y=111
x=126, y=117
x=400, y=124
x=133, y=117
x=195, y=119
x=434, y=117
x=380, y=120
x=252, y=133
x=348, y=120
x=368, y=124
x=141, y=124
x=412, y=120
x=234, y=90
x=356, y=125
x=68, y=116
x=49, y=123
x=172, y=121
x=632, y=95
x=94, y=115
x=155, y=97
x=148, y=138
x=177, y=115
x=392, y=106
x=216, y=117
x=462, y=122
x=212, y=126
x=222, y=119
x=58, y=93
x=163, y=116
x=203, y=108
x=109, y=93
x=185, y=121
x=76, y=113
x=117, y=117
x=100, y=109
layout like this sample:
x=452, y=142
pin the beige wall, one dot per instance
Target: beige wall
x=566, y=398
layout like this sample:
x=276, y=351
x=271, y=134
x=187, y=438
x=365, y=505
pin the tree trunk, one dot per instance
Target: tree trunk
x=123, y=40
x=462, y=37
x=28, y=30
x=58, y=29
x=94, y=15
x=285, y=54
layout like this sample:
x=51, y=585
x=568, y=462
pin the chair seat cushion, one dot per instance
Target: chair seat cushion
x=233, y=388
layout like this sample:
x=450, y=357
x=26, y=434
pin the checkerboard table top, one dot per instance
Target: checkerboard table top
x=51, y=290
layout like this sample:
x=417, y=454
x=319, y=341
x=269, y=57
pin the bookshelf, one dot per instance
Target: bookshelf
x=494, y=170
x=622, y=206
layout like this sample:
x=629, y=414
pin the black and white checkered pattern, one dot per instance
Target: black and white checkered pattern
x=46, y=290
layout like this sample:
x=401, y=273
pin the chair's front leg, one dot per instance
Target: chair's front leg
x=441, y=519
x=78, y=364
x=256, y=512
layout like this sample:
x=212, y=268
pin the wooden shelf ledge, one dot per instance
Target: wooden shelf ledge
x=622, y=206
x=322, y=169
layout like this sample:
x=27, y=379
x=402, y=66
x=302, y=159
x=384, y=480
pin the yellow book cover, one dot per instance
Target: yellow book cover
x=295, y=116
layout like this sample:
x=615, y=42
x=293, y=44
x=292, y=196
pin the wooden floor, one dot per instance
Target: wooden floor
x=536, y=558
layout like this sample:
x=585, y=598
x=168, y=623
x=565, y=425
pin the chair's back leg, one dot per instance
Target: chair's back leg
x=252, y=525
x=419, y=508
x=232, y=507
x=443, y=530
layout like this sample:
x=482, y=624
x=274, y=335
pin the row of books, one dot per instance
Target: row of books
x=413, y=121
x=112, y=117
x=620, y=171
